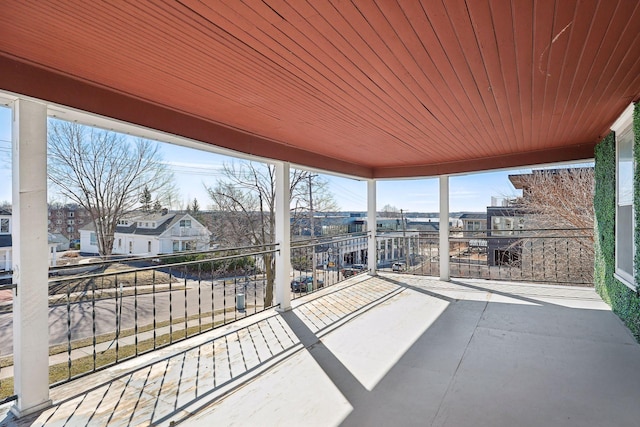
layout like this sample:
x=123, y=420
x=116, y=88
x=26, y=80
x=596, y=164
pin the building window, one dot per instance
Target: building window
x=130, y=247
x=149, y=246
x=4, y=225
x=625, y=169
x=93, y=240
x=176, y=246
x=473, y=226
x=70, y=214
x=185, y=223
x=119, y=243
x=505, y=225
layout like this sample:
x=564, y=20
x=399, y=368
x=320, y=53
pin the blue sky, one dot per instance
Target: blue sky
x=194, y=168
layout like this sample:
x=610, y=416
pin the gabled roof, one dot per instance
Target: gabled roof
x=474, y=216
x=371, y=89
x=164, y=222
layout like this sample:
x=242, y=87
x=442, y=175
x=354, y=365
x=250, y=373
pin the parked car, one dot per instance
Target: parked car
x=398, y=266
x=300, y=284
x=349, y=271
x=361, y=267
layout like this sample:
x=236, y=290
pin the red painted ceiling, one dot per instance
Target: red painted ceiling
x=369, y=88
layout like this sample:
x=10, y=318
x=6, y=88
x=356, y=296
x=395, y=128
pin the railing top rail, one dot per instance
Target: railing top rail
x=114, y=259
x=8, y=286
x=155, y=267
x=327, y=240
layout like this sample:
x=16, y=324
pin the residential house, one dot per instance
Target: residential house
x=61, y=242
x=473, y=224
x=5, y=240
x=6, y=243
x=151, y=234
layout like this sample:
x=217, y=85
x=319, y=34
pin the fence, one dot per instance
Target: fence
x=327, y=260
x=105, y=312
x=126, y=307
x=561, y=256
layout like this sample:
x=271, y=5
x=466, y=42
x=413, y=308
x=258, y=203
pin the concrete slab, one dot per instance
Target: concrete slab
x=389, y=350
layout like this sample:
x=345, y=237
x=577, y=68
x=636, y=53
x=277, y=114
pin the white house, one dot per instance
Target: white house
x=5, y=240
x=6, y=243
x=151, y=234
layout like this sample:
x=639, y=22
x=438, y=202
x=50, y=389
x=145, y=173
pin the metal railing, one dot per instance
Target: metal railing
x=561, y=256
x=131, y=306
x=329, y=260
x=7, y=290
x=110, y=310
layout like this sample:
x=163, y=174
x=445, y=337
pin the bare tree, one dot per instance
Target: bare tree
x=245, y=203
x=560, y=198
x=389, y=211
x=558, y=211
x=104, y=173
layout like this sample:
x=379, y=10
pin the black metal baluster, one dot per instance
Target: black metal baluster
x=118, y=314
x=186, y=312
x=255, y=287
x=135, y=310
x=153, y=302
x=213, y=298
x=224, y=301
x=68, y=329
x=199, y=298
x=93, y=319
x=170, y=306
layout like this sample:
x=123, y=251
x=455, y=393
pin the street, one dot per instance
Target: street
x=80, y=319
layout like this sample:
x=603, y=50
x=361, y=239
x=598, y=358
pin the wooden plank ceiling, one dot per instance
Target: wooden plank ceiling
x=369, y=88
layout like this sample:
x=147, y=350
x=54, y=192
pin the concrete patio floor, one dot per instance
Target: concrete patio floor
x=388, y=350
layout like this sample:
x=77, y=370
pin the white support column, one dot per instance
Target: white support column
x=30, y=257
x=372, y=255
x=283, y=237
x=444, y=228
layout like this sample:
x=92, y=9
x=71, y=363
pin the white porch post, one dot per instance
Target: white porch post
x=444, y=228
x=30, y=257
x=283, y=237
x=371, y=227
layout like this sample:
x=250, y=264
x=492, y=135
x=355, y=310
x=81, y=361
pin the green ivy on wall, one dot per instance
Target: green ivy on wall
x=636, y=189
x=623, y=301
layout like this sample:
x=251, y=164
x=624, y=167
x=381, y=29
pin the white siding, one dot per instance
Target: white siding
x=85, y=243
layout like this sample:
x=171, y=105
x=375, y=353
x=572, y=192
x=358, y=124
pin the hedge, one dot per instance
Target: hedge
x=623, y=301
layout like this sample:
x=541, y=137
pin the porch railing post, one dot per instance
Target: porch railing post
x=444, y=228
x=283, y=237
x=30, y=257
x=372, y=255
